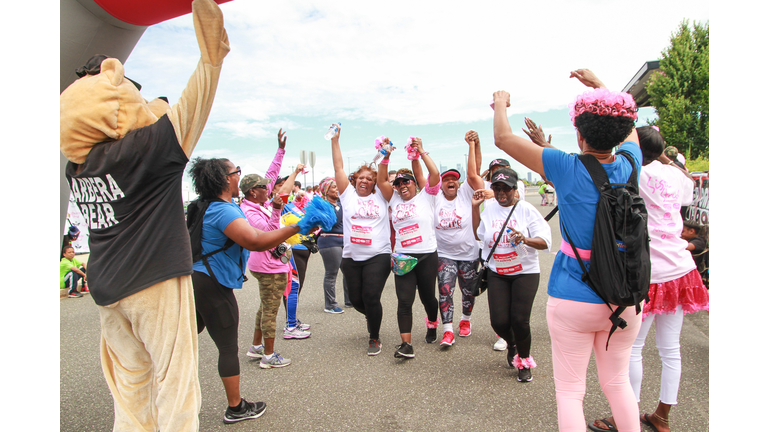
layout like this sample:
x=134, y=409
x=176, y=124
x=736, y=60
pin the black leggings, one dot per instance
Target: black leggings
x=423, y=278
x=510, y=300
x=301, y=258
x=365, y=283
x=217, y=310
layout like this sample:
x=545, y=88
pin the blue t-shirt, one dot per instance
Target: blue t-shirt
x=577, y=200
x=226, y=265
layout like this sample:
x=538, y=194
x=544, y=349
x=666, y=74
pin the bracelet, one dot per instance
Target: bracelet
x=384, y=162
x=424, y=154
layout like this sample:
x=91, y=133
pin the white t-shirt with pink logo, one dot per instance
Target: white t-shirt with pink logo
x=525, y=219
x=665, y=189
x=366, y=225
x=414, y=223
x=453, y=226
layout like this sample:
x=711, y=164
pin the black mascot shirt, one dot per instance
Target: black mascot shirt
x=129, y=192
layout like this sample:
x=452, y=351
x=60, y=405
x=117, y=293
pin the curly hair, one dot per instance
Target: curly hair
x=209, y=176
x=651, y=143
x=603, y=132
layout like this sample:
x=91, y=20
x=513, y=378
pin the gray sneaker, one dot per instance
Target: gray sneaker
x=254, y=352
x=374, y=347
x=295, y=333
x=275, y=362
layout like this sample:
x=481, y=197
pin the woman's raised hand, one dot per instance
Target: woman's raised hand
x=281, y=138
x=299, y=168
x=471, y=136
x=338, y=132
x=587, y=77
x=417, y=144
x=501, y=96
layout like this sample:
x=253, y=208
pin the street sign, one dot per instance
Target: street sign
x=311, y=159
x=303, y=157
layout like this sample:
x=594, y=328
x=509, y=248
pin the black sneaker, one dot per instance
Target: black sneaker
x=404, y=350
x=374, y=347
x=524, y=375
x=431, y=336
x=74, y=294
x=248, y=410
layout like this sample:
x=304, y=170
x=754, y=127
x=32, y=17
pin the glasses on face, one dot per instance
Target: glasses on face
x=236, y=171
x=405, y=182
x=499, y=187
x=260, y=186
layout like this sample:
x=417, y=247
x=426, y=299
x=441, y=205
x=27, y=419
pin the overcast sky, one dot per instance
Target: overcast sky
x=401, y=69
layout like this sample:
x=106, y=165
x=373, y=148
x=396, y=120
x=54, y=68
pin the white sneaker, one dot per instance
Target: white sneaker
x=500, y=345
x=295, y=333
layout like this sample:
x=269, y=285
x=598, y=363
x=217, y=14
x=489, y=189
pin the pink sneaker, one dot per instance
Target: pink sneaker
x=465, y=328
x=447, y=339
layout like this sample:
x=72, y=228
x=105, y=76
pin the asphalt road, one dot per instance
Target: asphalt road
x=333, y=385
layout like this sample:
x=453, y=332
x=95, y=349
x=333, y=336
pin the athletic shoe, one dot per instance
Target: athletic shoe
x=374, y=347
x=524, y=375
x=248, y=410
x=447, y=339
x=431, y=336
x=75, y=294
x=348, y=305
x=85, y=289
x=465, y=328
x=295, y=333
x=275, y=362
x=336, y=310
x=302, y=326
x=254, y=352
x=404, y=350
x=500, y=345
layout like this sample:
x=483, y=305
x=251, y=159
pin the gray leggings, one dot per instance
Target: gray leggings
x=332, y=262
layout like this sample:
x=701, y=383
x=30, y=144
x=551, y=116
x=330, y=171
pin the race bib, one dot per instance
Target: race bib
x=410, y=235
x=361, y=235
x=507, y=263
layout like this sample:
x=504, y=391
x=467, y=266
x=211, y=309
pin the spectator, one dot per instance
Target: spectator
x=71, y=272
x=331, y=246
x=72, y=234
x=543, y=193
x=392, y=174
x=695, y=234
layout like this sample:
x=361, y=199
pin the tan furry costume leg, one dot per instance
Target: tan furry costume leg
x=149, y=358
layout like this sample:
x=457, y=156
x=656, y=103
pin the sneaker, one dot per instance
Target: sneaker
x=275, y=362
x=254, y=352
x=85, y=289
x=431, y=336
x=75, y=294
x=500, y=345
x=524, y=375
x=348, y=305
x=404, y=350
x=374, y=347
x=302, y=326
x=336, y=310
x=248, y=410
x=295, y=333
x=465, y=328
x=447, y=339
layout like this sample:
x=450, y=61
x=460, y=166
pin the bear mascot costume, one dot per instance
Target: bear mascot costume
x=126, y=161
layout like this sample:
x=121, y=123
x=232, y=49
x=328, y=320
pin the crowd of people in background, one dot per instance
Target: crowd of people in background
x=434, y=230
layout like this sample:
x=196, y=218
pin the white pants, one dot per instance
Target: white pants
x=668, y=329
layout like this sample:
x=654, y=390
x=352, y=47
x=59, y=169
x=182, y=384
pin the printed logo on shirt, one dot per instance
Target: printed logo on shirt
x=403, y=212
x=448, y=219
x=366, y=209
x=93, y=195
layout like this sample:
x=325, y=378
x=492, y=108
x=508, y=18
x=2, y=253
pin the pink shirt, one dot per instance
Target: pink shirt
x=665, y=189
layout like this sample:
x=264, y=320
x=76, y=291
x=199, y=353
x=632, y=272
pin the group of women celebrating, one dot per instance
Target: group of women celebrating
x=446, y=228
x=438, y=224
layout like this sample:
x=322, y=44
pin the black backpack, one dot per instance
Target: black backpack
x=195, y=213
x=620, y=264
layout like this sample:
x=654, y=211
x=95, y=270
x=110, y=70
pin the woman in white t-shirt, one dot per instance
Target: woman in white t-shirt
x=457, y=248
x=413, y=219
x=514, y=276
x=365, y=260
x=676, y=286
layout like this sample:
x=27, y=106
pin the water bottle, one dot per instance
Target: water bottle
x=382, y=152
x=519, y=248
x=331, y=131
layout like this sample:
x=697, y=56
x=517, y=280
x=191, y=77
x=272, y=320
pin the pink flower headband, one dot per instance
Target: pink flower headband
x=413, y=152
x=602, y=101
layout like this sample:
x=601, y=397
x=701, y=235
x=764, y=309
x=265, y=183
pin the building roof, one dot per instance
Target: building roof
x=636, y=86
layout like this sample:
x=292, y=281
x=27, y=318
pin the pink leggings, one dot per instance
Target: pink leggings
x=577, y=329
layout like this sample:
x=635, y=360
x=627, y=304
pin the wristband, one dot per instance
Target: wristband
x=384, y=162
x=424, y=154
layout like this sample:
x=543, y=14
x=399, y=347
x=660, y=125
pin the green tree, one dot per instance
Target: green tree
x=679, y=91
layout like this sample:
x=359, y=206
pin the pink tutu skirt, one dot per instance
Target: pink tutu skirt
x=688, y=291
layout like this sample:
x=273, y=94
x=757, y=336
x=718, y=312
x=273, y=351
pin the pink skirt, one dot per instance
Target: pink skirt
x=688, y=291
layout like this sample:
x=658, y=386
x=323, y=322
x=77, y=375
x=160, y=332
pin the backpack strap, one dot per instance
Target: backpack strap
x=551, y=214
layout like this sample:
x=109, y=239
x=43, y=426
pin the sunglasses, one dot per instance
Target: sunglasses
x=261, y=186
x=500, y=187
x=236, y=171
x=406, y=182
